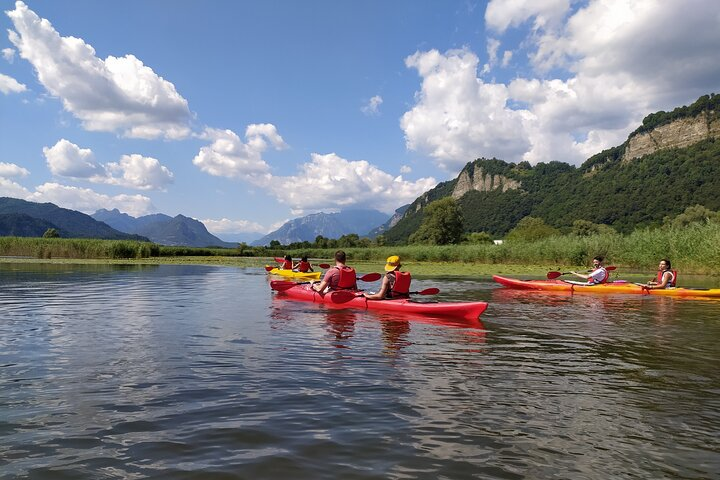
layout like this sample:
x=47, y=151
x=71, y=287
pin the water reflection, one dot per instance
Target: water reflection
x=199, y=372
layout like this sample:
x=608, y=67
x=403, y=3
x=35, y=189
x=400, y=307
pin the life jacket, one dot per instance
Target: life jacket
x=400, y=286
x=303, y=266
x=286, y=265
x=347, y=279
x=592, y=281
x=673, y=280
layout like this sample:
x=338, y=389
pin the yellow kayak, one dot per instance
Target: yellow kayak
x=293, y=273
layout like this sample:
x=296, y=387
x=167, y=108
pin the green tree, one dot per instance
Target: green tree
x=442, y=224
x=478, y=238
x=584, y=228
x=51, y=233
x=694, y=214
x=530, y=229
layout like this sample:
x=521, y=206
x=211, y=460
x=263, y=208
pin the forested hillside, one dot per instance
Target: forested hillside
x=609, y=189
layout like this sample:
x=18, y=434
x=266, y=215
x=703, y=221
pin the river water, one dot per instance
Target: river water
x=198, y=372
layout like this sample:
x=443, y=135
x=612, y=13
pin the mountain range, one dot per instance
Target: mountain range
x=30, y=219
x=329, y=225
x=163, y=229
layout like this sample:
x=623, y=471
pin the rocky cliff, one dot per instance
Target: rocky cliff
x=678, y=134
x=482, y=181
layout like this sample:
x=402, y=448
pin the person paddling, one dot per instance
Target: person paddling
x=287, y=263
x=395, y=284
x=339, y=277
x=597, y=275
x=666, y=276
x=303, y=265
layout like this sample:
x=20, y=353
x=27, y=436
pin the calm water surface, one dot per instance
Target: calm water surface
x=198, y=372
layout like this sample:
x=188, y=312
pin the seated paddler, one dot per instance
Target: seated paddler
x=395, y=284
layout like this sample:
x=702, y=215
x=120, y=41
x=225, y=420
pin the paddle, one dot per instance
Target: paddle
x=344, y=296
x=554, y=275
x=282, y=285
x=269, y=268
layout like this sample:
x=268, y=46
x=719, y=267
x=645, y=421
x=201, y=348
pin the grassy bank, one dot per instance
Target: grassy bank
x=694, y=249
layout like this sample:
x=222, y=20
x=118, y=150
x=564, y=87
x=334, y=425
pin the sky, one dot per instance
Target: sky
x=245, y=114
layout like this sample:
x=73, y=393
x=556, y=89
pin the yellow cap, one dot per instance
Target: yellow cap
x=392, y=263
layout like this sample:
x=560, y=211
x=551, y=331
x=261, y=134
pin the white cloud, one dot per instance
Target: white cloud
x=10, y=85
x=8, y=188
x=66, y=159
x=507, y=56
x=373, y=106
x=225, y=225
x=8, y=54
x=405, y=169
x=330, y=181
x=458, y=117
x=610, y=69
x=113, y=95
x=501, y=14
x=11, y=170
x=89, y=201
x=142, y=173
x=228, y=156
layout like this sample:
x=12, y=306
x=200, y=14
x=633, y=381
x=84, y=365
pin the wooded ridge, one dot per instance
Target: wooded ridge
x=669, y=163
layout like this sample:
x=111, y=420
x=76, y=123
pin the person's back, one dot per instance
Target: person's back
x=303, y=266
x=339, y=277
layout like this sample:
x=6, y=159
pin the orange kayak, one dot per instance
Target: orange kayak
x=604, y=288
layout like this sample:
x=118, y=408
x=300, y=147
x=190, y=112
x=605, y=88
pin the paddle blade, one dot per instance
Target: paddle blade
x=554, y=275
x=324, y=265
x=282, y=285
x=344, y=296
x=279, y=259
x=370, y=277
x=268, y=268
x=428, y=291
x=610, y=268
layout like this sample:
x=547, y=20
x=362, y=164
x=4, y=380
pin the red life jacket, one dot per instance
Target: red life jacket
x=673, y=280
x=401, y=285
x=346, y=278
x=286, y=265
x=303, y=266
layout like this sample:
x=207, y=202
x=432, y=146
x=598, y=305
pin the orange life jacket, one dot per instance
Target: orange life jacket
x=673, y=280
x=401, y=285
x=303, y=266
x=347, y=279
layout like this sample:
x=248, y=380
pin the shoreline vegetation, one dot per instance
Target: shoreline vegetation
x=693, y=249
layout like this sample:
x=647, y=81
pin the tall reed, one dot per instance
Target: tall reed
x=76, y=248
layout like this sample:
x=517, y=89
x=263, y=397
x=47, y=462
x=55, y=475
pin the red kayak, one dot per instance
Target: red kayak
x=351, y=299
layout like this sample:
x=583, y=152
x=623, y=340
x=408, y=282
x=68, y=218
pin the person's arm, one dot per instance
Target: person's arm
x=581, y=275
x=320, y=287
x=380, y=294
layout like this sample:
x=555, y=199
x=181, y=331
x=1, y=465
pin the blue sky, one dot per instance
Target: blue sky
x=246, y=114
